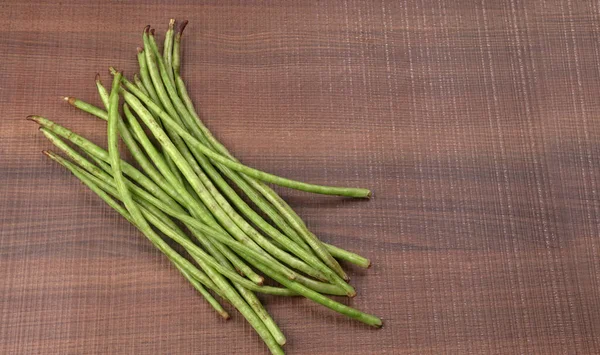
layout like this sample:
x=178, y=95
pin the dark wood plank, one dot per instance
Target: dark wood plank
x=475, y=123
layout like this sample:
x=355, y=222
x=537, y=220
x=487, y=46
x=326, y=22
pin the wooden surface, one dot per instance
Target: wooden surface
x=476, y=123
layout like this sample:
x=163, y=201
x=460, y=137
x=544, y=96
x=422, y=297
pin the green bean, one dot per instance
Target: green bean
x=103, y=93
x=168, y=49
x=140, y=219
x=275, y=234
x=327, y=190
x=193, y=224
x=241, y=305
x=248, y=296
x=209, y=298
x=139, y=84
x=317, y=297
x=157, y=218
x=176, y=48
x=163, y=140
x=348, y=256
x=145, y=75
x=171, y=112
x=129, y=142
x=147, y=83
x=145, y=164
x=96, y=173
x=87, y=108
x=248, y=185
x=273, y=262
x=261, y=175
x=263, y=204
x=101, y=154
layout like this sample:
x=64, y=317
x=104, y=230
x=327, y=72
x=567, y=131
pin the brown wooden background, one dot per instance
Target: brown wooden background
x=476, y=123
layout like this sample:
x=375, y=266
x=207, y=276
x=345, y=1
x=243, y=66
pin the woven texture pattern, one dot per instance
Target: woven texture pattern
x=475, y=123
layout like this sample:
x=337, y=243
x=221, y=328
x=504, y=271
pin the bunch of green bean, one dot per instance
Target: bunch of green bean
x=182, y=178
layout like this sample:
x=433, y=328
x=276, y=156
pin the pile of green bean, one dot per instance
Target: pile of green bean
x=181, y=178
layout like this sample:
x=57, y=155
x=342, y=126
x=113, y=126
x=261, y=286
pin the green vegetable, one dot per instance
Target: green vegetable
x=182, y=184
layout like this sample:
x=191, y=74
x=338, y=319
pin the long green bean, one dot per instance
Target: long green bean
x=176, y=47
x=327, y=302
x=147, y=83
x=168, y=49
x=181, y=191
x=150, y=149
x=139, y=84
x=209, y=298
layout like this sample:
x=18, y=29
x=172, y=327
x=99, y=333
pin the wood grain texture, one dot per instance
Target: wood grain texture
x=474, y=122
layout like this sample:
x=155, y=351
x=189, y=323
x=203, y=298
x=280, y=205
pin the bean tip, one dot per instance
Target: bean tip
x=182, y=27
x=70, y=100
x=152, y=31
x=33, y=118
x=225, y=315
x=140, y=49
x=171, y=23
x=147, y=28
x=112, y=70
x=97, y=77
